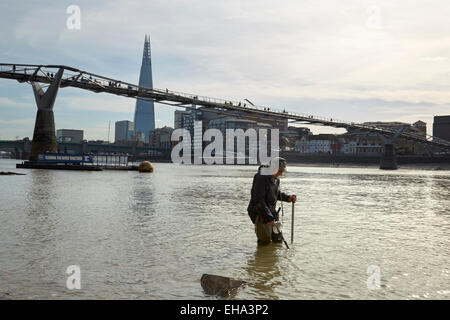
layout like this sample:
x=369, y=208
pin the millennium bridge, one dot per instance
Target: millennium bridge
x=60, y=76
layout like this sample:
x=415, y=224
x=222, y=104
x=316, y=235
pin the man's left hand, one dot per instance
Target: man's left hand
x=293, y=198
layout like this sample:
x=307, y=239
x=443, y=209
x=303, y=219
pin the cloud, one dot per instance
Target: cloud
x=434, y=59
x=159, y=123
x=89, y=102
x=25, y=121
x=6, y=102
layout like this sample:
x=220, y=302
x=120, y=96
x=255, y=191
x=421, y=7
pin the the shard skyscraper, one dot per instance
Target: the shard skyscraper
x=144, y=115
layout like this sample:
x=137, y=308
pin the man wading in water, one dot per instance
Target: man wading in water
x=264, y=196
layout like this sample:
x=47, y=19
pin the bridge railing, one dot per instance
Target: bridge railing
x=86, y=77
x=250, y=107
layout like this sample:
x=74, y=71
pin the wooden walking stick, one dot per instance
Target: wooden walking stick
x=292, y=224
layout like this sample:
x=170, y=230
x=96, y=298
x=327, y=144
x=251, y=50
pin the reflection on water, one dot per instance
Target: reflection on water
x=152, y=236
x=264, y=271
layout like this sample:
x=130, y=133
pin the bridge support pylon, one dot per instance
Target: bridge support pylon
x=44, y=138
x=388, y=159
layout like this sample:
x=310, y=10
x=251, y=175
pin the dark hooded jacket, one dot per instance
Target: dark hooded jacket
x=264, y=195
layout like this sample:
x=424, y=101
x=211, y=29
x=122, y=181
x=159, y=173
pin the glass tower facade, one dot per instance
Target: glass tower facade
x=144, y=115
x=124, y=131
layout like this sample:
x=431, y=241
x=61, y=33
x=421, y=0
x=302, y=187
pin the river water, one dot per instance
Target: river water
x=152, y=236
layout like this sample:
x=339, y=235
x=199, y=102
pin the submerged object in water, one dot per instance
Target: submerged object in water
x=145, y=166
x=218, y=285
x=11, y=174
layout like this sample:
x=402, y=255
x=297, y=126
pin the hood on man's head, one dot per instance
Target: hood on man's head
x=272, y=167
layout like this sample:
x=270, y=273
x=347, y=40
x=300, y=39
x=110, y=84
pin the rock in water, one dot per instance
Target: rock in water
x=11, y=174
x=220, y=286
x=4, y=296
x=145, y=166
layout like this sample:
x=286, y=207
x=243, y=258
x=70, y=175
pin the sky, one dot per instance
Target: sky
x=352, y=60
